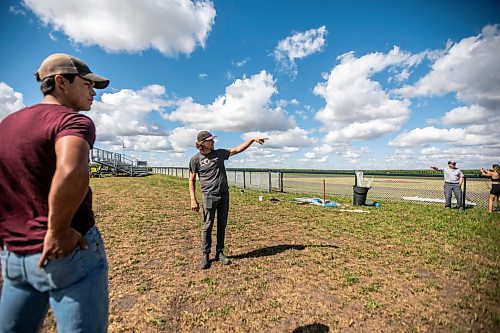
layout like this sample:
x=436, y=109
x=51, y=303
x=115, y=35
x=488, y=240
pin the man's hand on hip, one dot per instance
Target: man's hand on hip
x=60, y=243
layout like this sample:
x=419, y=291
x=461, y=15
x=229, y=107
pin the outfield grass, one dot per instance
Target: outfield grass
x=403, y=267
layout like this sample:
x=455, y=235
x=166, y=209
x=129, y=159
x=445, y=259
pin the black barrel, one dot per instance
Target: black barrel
x=359, y=195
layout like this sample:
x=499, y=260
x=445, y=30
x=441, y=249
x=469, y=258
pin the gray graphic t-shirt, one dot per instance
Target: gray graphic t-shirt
x=211, y=170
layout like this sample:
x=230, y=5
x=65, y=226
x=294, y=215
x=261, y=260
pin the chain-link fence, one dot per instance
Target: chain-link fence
x=407, y=187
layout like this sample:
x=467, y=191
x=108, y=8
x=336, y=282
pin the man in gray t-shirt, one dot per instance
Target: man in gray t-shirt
x=453, y=180
x=208, y=163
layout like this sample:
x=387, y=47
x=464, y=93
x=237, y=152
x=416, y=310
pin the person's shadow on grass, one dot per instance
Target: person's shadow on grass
x=272, y=250
x=312, y=328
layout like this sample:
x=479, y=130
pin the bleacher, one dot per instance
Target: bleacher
x=118, y=164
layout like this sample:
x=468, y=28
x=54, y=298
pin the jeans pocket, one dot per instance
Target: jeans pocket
x=207, y=202
x=12, y=267
x=65, y=271
x=4, y=260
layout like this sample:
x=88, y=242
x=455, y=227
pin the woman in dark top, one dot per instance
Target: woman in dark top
x=495, y=184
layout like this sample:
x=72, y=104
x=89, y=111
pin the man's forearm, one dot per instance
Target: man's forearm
x=243, y=146
x=246, y=144
x=70, y=182
x=67, y=191
x=192, y=188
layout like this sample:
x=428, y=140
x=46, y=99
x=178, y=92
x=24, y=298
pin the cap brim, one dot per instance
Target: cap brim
x=99, y=81
x=210, y=138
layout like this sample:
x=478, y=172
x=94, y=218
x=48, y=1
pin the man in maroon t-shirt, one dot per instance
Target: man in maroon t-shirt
x=52, y=251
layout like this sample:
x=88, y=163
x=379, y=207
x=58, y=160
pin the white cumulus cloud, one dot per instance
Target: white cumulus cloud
x=171, y=27
x=299, y=45
x=244, y=107
x=123, y=116
x=468, y=68
x=421, y=136
x=473, y=114
x=357, y=107
x=10, y=100
x=183, y=138
x=456, y=136
x=288, y=141
x=147, y=143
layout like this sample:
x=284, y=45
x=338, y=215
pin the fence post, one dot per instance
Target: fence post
x=465, y=192
x=281, y=181
x=270, y=182
x=244, y=181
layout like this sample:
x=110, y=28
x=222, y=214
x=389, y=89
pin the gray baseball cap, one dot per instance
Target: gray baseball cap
x=204, y=135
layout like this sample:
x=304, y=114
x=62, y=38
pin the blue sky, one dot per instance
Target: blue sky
x=333, y=84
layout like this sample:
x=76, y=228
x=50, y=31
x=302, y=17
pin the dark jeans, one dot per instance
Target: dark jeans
x=457, y=190
x=214, y=204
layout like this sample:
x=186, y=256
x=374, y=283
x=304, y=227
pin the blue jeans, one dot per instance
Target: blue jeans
x=457, y=190
x=76, y=287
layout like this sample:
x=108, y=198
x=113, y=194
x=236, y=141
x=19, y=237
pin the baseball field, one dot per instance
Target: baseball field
x=402, y=267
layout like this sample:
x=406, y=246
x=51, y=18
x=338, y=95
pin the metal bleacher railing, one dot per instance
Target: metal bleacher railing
x=119, y=164
x=384, y=186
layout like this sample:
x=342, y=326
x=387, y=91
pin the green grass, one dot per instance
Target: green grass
x=433, y=269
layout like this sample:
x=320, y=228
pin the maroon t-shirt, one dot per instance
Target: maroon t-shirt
x=27, y=165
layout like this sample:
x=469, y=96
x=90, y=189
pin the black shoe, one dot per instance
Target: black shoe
x=222, y=258
x=205, y=261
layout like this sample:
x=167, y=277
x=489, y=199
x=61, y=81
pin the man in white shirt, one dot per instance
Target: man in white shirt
x=453, y=180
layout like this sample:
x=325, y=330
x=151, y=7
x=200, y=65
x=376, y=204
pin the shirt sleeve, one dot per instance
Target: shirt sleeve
x=76, y=124
x=224, y=153
x=193, y=166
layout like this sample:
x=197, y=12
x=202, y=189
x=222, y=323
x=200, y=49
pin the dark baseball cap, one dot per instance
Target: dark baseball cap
x=60, y=63
x=204, y=135
x=452, y=162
